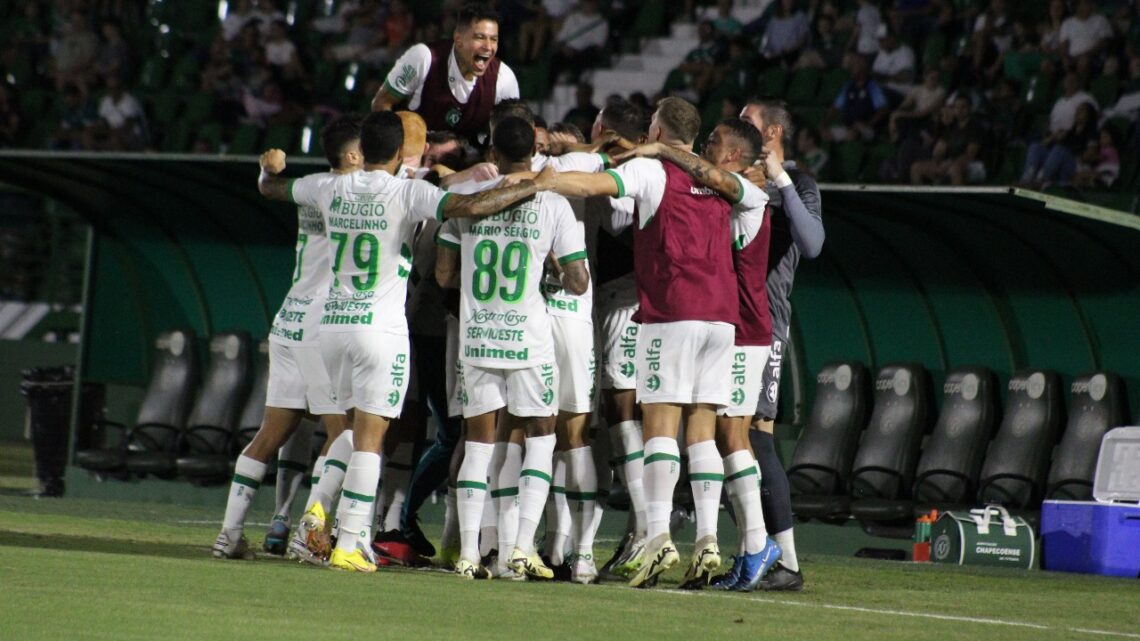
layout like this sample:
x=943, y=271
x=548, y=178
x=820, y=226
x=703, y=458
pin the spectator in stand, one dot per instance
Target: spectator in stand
x=726, y=25
x=826, y=50
x=866, y=27
x=914, y=20
x=580, y=41
x=74, y=53
x=787, y=34
x=919, y=105
x=236, y=18
x=698, y=70
x=364, y=36
x=1084, y=37
x=114, y=57
x=813, y=157
x=992, y=36
x=1049, y=29
x=399, y=27
x=861, y=106
x=894, y=66
x=122, y=122
x=1100, y=166
x=27, y=32
x=1128, y=104
x=220, y=80
x=281, y=53
x=76, y=119
x=1053, y=159
x=9, y=117
x=266, y=13
x=583, y=114
x=956, y=155
x=1065, y=109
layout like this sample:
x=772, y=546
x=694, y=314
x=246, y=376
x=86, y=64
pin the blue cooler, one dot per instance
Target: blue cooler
x=1102, y=536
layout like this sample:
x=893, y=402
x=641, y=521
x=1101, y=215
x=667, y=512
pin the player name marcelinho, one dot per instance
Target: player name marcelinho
x=358, y=224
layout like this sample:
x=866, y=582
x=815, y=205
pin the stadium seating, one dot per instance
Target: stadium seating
x=163, y=410
x=821, y=465
x=207, y=442
x=884, y=465
x=1018, y=458
x=1096, y=405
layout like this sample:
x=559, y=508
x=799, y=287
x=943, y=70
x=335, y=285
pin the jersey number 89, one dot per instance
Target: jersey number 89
x=490, y=267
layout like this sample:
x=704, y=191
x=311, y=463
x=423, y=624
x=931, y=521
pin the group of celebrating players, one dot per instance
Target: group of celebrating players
x=513, y=275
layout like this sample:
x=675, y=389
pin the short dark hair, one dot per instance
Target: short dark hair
x=775, y=112
x=381, y=137
x=511, y=108
x=338, y=134
x=539, y=122
x=751, y=140
x=625, y=118
x=472, y=12
x=464, y=155
x=568, y=128
x=679, y=118
x=513, y=140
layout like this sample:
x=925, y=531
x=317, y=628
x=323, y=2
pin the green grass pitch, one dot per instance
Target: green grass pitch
x=90, y=569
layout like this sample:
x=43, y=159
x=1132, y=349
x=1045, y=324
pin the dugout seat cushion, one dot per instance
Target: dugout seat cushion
x=1096, y=405
x=209, y=438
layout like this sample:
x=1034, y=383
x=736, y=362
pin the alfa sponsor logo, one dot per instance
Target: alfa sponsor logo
x=548, y=381
x=737, y=396
x=653, y=383
x=628, y=369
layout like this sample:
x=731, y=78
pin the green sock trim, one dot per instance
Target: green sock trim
x=741, y=474
x=313, y=480
x=629, y=458
x=558, y=489
x=582, y=496
x=292, y=465
x=705, y=476
x=471, y=485
x=337, y=464
x=358, y=497
x=246, y=481
x=662, y=456
x=504, y=491
x=536, y=474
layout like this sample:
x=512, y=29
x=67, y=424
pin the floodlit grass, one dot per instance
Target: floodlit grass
x=87, y=569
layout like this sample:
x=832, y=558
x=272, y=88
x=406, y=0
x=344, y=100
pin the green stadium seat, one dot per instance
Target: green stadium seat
x=810, y=116
x=164, y=107
x=245, y=140
x=802, y=87
x=830, y=85
x=199, y=107
x=33, y=101
x=176, y=138
x=1105, y=89
x=1012, y=164
x=772, y=82
x=534, y=79
x=153, y=74
x=650, y=20
x=185, y=76
x=846, y=161
x=283, y=137
x=875, y=157
x=211, y=132
x=933, y=52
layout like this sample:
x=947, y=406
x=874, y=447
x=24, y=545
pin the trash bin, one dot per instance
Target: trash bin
x=49, y=390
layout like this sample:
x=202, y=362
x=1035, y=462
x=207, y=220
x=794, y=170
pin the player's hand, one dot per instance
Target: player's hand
x=605, y=140
x=772, y=165
x=650, y=150
x=756, y=174
x=510, y=180
x=560, y=142
x=483, y=171
x=273, y=161
x=547, y=179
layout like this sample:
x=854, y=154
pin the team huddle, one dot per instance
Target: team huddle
x=516, y=277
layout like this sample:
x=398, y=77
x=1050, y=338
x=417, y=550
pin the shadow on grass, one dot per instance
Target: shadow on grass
x=108, y=546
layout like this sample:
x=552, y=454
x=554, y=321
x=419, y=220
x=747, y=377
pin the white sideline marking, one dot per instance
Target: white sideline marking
x=903, y=613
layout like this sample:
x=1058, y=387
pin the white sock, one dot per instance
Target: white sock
x=562, y=520
x=706, y=477
x=315, y=477
x=394, y=480
x=741, y=474
x=450, y=536
x=248, y=474
x=787, y=544
x=292, y=465
x=737, y=513
x=662, y=469
x=354, y=511
x=582, y=493
x=633, y=470
x=488, y=522
x=332, y=475
x=534, y=485
x=471, y=488
x=505, y=492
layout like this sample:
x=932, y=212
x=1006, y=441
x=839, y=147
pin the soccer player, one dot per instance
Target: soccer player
x=734, y=146
x=506, y=355
x=370, y=219
x=687, y=309
x=297, y=377
x=453, y=84
x=797, y=230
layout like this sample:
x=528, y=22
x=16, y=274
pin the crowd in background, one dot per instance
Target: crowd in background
x=941, y=89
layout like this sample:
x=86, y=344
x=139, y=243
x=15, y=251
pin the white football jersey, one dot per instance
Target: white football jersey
x=502, y=314
x=299, y=319
x=371, y=219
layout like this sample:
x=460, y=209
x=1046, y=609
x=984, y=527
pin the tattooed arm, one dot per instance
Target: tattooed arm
x=487, y=202
x=722, y=182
